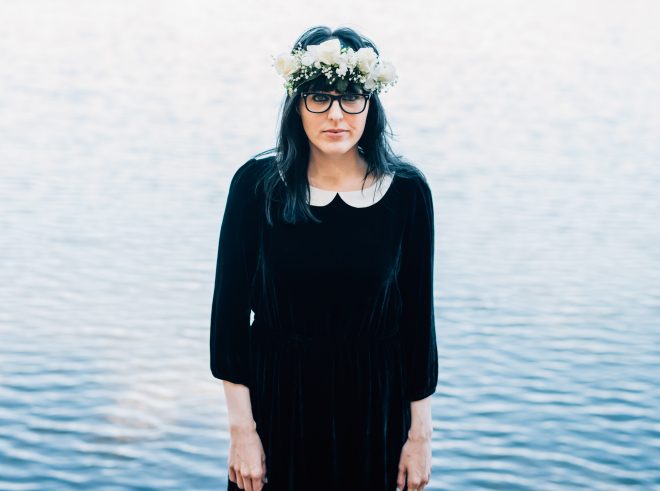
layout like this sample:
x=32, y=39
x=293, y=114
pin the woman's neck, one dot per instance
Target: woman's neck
x=343, y=172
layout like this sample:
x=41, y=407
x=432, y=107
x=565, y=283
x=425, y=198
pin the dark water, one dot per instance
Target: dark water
x=121, y=124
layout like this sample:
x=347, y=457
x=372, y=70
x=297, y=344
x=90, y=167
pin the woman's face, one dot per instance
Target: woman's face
x=333, y=132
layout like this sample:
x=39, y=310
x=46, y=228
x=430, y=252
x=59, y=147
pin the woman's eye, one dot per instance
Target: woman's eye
x=320, y=98
x=350, y=97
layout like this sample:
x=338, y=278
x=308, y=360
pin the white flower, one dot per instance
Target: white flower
x=370, y=84
x=286, y=64
x=351, y=58
x=343, y=68
x=384, y=72
x=308, y=58
x=328, y=51
x=366, y=58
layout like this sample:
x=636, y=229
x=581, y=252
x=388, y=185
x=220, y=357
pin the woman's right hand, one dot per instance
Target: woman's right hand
x=247, y=461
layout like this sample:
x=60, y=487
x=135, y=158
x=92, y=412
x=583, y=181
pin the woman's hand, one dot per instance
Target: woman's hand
x=415, y=463
x=247, y=461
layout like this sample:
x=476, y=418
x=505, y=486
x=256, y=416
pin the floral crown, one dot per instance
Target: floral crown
x=339, y=65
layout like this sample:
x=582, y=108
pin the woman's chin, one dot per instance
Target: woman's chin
x=334, y=149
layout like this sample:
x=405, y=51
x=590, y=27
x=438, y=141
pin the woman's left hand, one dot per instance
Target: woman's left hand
x=415, y=464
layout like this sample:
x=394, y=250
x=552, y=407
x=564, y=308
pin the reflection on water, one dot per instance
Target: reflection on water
x=122, y=124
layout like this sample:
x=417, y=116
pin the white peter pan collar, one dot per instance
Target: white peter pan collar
x=360, y=198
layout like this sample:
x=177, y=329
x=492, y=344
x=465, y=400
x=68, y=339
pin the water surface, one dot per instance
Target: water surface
x=536, y=125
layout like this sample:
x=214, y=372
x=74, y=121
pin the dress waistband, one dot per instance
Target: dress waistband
x=261, y=334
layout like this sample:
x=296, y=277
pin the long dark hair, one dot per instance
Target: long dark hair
x=286, y=179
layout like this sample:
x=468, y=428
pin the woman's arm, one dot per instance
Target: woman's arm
x=247, y=461
x=239, y=408
x=230, y=324
x=421, y=426
x=236, y=263
x=415, y=460
x=420, y=352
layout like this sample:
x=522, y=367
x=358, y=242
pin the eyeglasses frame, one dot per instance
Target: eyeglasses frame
x=334, y=98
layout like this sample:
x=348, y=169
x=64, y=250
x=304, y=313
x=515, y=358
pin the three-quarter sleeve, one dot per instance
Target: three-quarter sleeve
x=420, y=352
x=236, y=262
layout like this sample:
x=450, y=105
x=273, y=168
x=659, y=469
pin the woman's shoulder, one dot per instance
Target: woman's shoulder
x=412, y=180
x=249, y=175
x=254, y=168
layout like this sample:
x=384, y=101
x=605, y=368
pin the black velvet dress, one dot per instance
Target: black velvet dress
x=343, y=336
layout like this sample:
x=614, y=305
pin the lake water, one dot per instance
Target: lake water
x=537, y=125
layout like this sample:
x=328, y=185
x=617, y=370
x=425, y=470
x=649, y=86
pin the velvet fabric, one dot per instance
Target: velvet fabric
x=343, y=336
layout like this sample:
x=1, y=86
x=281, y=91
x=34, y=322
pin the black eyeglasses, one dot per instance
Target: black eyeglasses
x=320, y=102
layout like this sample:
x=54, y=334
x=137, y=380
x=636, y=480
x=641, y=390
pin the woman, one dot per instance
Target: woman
x=329, y=241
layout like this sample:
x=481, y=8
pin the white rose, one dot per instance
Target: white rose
x=342, y=69
x=366, y=57
x=286, y=64
x=370, y=84
x=350, y=58
x=308, y=58
x=385, y=72
x=328, y=51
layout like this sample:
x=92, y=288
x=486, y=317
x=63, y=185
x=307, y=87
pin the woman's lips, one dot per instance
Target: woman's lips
x=335, y=133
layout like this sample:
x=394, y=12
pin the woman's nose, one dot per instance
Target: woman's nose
x=335, y=111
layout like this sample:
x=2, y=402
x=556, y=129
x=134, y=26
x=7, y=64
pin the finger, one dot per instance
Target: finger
x=239, y=480
x=254, y=479
x=247, y=482
x=257, y=484
x=425, y=482
x=401, y=478
x=232, y=474
x=414, y=481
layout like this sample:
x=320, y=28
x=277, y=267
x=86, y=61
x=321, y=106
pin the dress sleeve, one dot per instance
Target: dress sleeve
x=420, y=352
x=236, y=262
